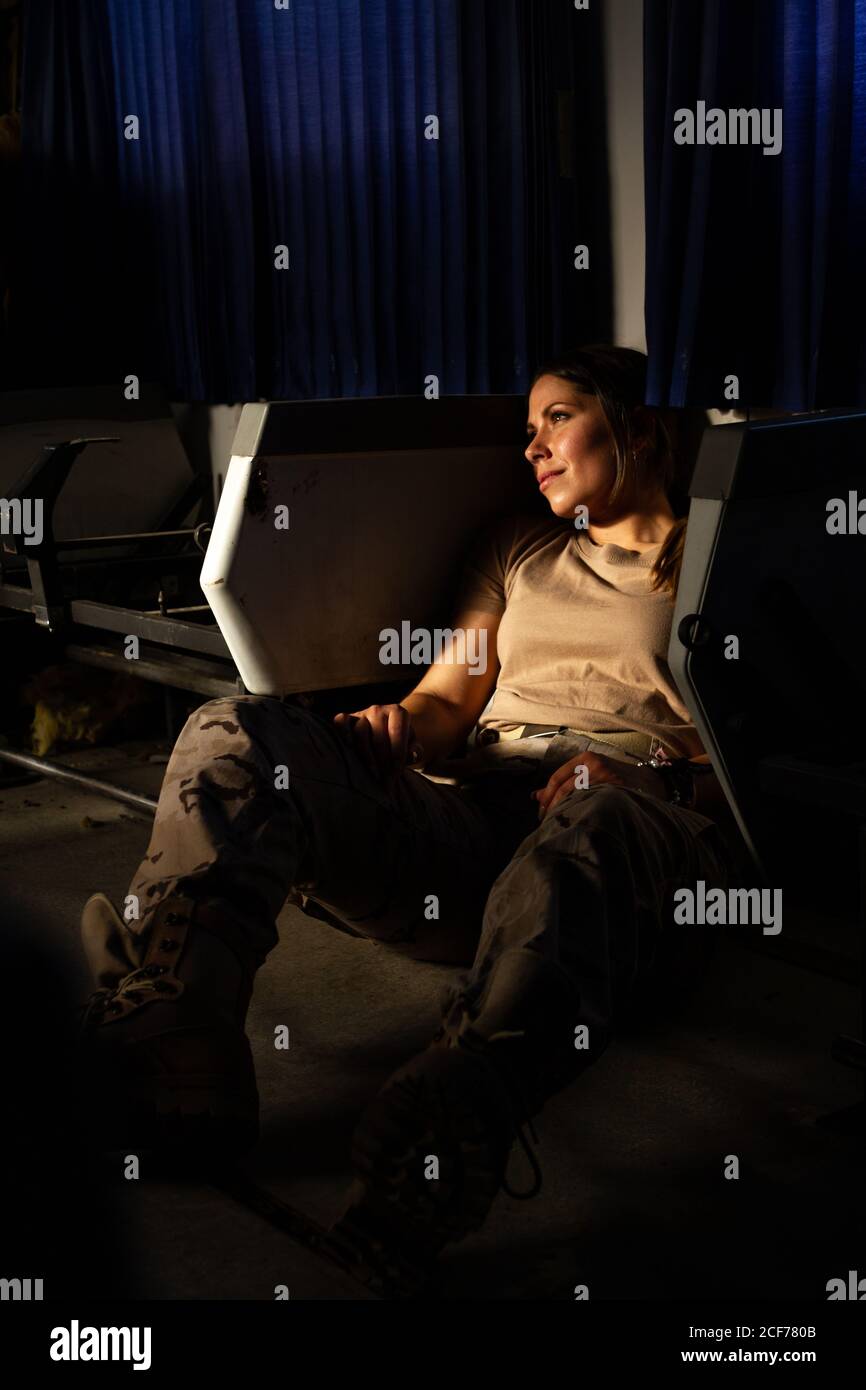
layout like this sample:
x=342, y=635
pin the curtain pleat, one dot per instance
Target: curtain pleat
x=755, y=262
x=306, y=128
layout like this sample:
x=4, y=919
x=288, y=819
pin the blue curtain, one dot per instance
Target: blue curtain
x=755, y=263
x=305, y=128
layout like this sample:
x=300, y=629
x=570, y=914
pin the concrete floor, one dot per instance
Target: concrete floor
x=634, y=1204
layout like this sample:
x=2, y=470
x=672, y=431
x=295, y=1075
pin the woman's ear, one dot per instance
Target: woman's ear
x=643, y=430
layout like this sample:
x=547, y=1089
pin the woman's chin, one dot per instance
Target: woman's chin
x=561, y=505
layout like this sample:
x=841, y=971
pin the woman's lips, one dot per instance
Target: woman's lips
x=545, y=478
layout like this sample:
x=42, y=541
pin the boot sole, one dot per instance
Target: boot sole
x=436, y=1112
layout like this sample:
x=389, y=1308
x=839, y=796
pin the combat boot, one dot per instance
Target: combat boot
x=431, y=1150
x=162, y=1047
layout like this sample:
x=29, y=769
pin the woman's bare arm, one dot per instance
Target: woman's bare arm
x=447, y=701
x=437, y=716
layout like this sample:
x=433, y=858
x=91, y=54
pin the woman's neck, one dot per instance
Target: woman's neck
x=637, y=531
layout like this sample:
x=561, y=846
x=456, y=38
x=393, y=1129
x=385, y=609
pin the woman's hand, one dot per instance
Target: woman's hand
x=384, y=736
x=600, y=769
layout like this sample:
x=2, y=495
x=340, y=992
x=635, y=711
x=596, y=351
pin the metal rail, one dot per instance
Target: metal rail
x=79, y=779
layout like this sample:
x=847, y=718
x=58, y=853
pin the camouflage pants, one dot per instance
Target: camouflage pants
x=262, y=799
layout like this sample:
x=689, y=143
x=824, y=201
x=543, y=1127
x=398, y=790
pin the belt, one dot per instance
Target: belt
x=628, y=739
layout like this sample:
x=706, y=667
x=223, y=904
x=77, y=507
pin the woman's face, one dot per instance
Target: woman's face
x=571, y=448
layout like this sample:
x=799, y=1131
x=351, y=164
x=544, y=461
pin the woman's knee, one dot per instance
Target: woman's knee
x=276, y=746
x=238, y=717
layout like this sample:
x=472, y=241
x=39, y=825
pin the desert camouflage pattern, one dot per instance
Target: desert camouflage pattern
x=263, y=801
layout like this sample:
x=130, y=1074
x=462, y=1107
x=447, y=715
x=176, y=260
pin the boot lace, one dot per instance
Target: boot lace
x=139, y=983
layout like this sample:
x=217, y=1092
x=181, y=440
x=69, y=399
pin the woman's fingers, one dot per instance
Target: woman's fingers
x=358, y=728
x=383, y=736
x=362, y=739
x=561, y=782
x=552, y=798
x=380, y=747
x=390, y=726
x=399, y=727
x=562, y=777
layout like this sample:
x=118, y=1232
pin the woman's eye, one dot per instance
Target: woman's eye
x=554, y=415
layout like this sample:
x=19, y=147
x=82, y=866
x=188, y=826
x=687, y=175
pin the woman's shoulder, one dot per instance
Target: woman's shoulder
x=498, y=552
x=516, y=535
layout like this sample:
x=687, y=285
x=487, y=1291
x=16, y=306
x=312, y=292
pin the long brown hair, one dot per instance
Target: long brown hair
x=617, y=377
